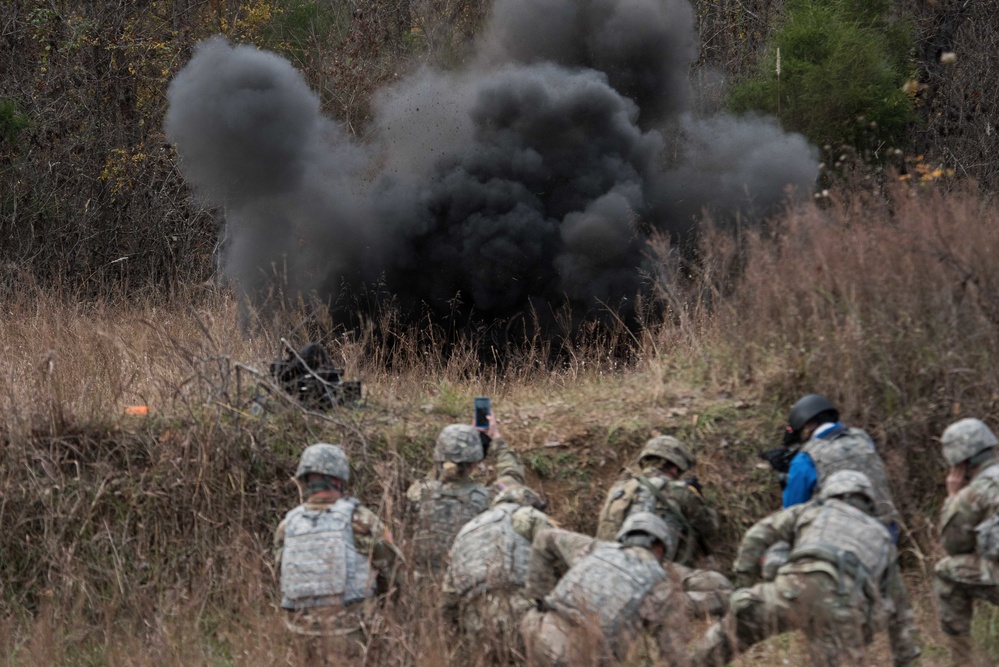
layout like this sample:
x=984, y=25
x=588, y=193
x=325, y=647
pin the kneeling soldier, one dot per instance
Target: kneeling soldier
x=334, y=556
x=831, y=588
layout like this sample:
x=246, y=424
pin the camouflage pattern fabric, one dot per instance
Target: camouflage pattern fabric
x=837, y=625
x=963, y=575
x=371, y=538
x=441, y=507
x=686, y=510
x=838, y=613
x=659, y=620
x=854, y=450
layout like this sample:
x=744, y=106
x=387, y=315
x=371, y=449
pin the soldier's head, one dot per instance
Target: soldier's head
x=968, y=441
x=645, y=529
x=323, y=469
x=851, y=487
x=806, y=415
x=666, y=453
x=459, y=446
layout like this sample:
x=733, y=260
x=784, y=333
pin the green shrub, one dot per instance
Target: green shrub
x=12, y=121
x=842, y=70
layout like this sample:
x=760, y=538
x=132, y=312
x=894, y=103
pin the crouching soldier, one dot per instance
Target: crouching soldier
x=657, y=487
x=334, y=557
x=613, y=595
x=449, y=499
x=969, y=532
x=484, y=584
x=831, y=588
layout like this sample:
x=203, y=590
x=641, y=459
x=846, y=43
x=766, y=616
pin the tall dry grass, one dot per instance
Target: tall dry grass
x=145, y=540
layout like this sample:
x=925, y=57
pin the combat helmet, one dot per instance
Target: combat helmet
x=324, y=459
x=966, y=438
x=808, y=408
x=845, y=483
x=670, y=449
x=652, y=526
x=459, y=443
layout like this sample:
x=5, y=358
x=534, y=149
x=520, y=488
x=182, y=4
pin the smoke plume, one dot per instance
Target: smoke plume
x=529, y=180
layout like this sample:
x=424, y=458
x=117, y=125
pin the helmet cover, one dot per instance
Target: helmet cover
x=670, y=449
x=324, y=459
x=459, y=443
x=965, y=438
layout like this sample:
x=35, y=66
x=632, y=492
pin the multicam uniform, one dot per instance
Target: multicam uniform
x=831, y=586
x=677, y=502
x=334, y=558
x=611, y=597
x=442, y=506
x=964, y=574
x=483, y=589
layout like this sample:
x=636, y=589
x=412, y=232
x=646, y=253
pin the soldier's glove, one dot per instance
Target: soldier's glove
x=695, y=484
x=791, y=437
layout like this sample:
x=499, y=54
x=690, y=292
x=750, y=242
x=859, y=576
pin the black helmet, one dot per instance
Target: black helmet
x=808, y=408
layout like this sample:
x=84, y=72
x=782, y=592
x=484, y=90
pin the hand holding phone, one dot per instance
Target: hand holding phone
x=483, y=409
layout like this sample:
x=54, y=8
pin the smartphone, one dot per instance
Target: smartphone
x=482, y=411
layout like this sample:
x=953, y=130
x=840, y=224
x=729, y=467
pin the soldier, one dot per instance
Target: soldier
x=484, y=583
x=830, y=588
x=612, y=595
x=451, y=498
x=659, y=489
x=830, y=446
x=334, y=556
x=968, y=532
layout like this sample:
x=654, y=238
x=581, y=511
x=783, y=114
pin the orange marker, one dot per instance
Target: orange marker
x=137, y=410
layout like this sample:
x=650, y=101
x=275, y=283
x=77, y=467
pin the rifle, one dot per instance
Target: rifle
x=779, y=459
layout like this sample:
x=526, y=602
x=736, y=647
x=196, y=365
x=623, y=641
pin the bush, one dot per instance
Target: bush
x=842, y=70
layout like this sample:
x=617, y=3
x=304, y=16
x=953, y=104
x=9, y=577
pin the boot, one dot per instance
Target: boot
x=960, y=650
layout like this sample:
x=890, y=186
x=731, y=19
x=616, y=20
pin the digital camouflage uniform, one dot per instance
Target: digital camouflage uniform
x=831, y=587
x=964, y=574
x=442, y=505
x=333, y=557
x=679, y=503
x=853, y=449
x=614, y=601
x=483, y=588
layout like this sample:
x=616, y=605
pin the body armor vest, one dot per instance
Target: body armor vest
x=488, y=553
x=320, y=566
x=853, y=449
x=987, y=532
x=606, y=588
x=441, y=517
x=857, y=543
x=659, y=500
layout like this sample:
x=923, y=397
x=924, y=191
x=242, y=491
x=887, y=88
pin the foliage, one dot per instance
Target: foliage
x=842, y=66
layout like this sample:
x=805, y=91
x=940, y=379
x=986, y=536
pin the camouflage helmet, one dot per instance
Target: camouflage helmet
x=808, y=408
x=324, y=459
x=650, y=524
x=965, y=438
x=459, y=443
x=670, y=449
x=847, y=482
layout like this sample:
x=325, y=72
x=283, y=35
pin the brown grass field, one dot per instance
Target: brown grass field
x=144, y=540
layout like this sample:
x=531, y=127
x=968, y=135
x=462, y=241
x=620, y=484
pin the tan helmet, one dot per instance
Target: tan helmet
x=964, y=439
x=324, y=459
x=651, y=525
x=845, y=483
x=670, y=449
x=459, y=443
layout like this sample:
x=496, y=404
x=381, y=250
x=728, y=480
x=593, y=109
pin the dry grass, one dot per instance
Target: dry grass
x=144, y=540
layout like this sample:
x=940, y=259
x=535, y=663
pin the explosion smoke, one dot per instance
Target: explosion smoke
x=531, y=179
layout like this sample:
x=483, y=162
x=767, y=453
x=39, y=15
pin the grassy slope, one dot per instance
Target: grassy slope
x=143, y=540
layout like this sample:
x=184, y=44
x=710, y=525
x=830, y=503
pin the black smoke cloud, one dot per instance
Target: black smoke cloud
x=532, y=179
